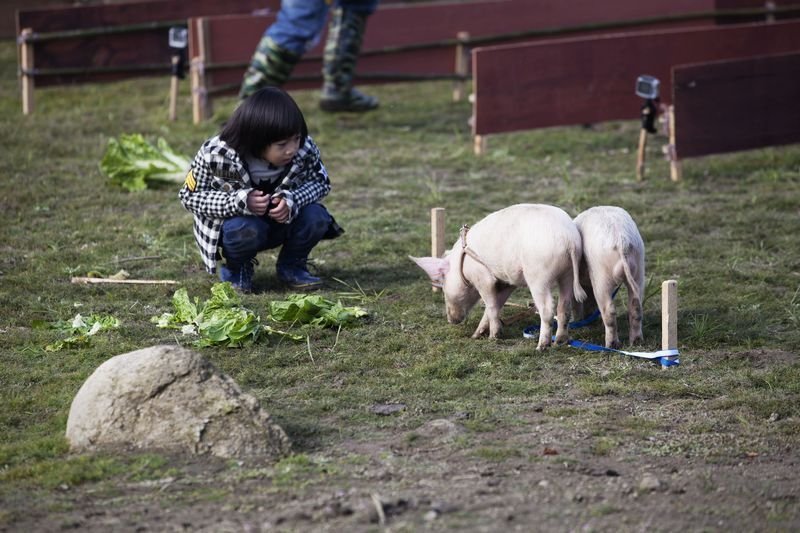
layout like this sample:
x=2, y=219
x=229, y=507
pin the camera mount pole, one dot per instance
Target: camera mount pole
x=178, y=38
x=649, y=112
x=173, y=89
x=640, y=155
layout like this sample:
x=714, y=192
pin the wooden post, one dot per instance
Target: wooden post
x=674, y=163
x=770, y=7
x=640, y=156
x=26, y=64
x=199, y=93
x=479, y=146
x=173, y=90
x=479, y=141
x=437, y=234
x=201, y=104
x=669, y=315
x=462, y=66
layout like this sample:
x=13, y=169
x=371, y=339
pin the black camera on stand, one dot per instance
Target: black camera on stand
x=647, y=87
x=178, y=39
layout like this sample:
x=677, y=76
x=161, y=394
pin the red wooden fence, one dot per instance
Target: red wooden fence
x=106, y=42
x=734, y=105
x=591, y=79
x=418, y=41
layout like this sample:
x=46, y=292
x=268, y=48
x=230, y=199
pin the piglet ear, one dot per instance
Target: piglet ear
x=435, y=267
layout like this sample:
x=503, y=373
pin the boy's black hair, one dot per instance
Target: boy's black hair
x=267, y=116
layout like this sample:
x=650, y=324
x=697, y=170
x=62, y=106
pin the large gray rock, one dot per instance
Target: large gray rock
x=170, y=398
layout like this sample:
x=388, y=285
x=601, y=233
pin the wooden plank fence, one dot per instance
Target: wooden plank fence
x=727, y=106
x=415, y=41
x=9, y=9
x=424, y=41
x=107, y=42
x=591, y=79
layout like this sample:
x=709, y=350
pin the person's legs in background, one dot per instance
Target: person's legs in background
x=345, y=35
x=296, y=29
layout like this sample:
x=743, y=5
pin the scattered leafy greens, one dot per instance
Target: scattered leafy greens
x=80, y=329
x=132, y=162
x=221, y=320
x=314, y=310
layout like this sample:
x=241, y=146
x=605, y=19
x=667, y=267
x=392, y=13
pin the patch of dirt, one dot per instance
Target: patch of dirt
x=541, y=472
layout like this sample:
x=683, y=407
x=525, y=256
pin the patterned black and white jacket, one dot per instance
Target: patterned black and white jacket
x=218, y=183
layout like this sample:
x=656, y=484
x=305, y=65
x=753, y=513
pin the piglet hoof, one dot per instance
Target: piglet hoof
x=542, y=346
x=563, y=339
x=614, y=345
x=481, y=330
x=637, y=340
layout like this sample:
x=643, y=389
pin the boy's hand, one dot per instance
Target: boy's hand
x=258, y=202
x=279, y=210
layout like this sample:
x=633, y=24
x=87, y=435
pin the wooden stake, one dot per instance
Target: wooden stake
x=669, y=315
x=173, y=90
x=770, y=7
x=674, y=164
x=479, y=141
x=640, y=156
x=437, y=234
x=26, y=63
x=462, y=66
x=125, y=281
x=479, y=146
x=201, y=104
x=198, y=90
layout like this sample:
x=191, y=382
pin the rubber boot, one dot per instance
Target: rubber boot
x=270, y=65
x=345, y=34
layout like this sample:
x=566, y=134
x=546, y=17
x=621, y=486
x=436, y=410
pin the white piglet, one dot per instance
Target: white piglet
x=526, y=244
x=613, y=255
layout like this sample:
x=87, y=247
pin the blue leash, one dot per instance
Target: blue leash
x=667, y=358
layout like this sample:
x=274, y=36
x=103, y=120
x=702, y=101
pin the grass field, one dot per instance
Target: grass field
x=563, y=440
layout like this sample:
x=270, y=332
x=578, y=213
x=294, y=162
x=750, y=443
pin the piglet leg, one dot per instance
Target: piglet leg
x=491, y=315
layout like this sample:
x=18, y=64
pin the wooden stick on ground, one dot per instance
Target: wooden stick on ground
x=123, y=281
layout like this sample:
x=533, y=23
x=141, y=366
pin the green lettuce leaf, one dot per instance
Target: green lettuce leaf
x=185, y=311
x=219, y=321
x=132, y=162
x=79, y=329
x=314, y=310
